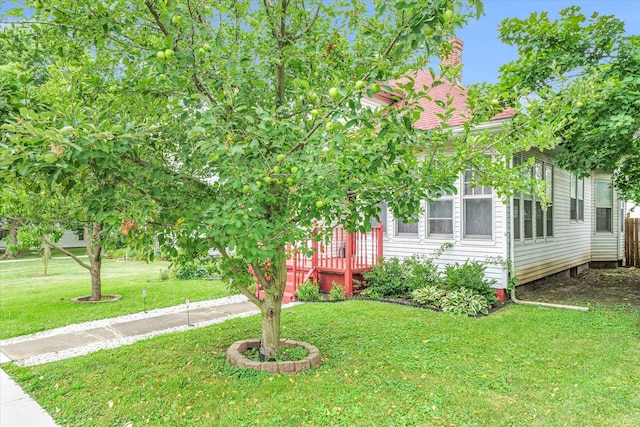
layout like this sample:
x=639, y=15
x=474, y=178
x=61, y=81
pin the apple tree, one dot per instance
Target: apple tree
x=242, y=125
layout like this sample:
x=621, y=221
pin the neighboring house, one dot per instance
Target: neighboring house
x=70, y=239
x=582, y=225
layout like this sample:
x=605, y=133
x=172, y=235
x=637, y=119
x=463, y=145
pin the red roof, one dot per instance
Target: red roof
x=428, y=118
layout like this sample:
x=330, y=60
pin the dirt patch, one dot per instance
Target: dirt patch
x=609, y=287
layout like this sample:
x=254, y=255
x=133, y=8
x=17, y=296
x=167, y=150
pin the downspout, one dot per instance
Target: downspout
x=545, y=304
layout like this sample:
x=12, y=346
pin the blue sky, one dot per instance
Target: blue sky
x=483, y=53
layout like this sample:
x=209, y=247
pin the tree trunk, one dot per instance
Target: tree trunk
x=46, y=256
x=271, y=309
x=12, y=242
x=94, y=251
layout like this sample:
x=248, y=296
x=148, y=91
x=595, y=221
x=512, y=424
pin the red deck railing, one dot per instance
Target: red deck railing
x=342, y=252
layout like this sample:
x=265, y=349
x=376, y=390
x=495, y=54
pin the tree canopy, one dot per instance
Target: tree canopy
x=240, y=125
x=581, y=78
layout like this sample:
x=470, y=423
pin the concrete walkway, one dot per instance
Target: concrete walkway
x=17, y=409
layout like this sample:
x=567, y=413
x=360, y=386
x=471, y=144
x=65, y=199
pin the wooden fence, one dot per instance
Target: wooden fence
x=632, y=242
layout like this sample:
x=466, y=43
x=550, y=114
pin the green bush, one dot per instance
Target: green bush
x=388, y=279
x=470, y=276
x=337, y=292
x=308, y=291
x=396, y=278
x=370, y=293
x=421, y=272
x=429, y=295
x=193, y=270
x=464, y=302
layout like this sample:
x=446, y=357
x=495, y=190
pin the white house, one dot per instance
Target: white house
x=582, y=225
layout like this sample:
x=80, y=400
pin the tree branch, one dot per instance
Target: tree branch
x=156, y=17
x=66, y=252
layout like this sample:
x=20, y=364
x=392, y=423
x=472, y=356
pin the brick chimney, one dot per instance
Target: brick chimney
x=455, y=57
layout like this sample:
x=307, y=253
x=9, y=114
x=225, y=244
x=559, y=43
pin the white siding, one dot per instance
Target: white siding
x=462, y=250
x=68, y=240
x=570, y=245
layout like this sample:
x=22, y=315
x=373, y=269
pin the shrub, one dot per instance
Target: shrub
x=421, y=272
x=470, y=276
x=388, y=279
x=429, y=295
x=464, y=302
x=308, y=291
x=337, y=292
x=193, y=270
x=370, y=293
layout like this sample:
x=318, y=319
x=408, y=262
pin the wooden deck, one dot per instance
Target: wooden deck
x=340, y=259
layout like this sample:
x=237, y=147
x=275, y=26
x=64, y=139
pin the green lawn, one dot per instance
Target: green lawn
x=383, y=365
x=31, y=303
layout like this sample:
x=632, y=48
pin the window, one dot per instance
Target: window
x=517, y=215
x=406, y=228
x=530, y=218
x=604, y=206
x=478, y=208
x=576, y=210
x=80, y=233
x=440, y=217
x=382, y=207
x=548, y=177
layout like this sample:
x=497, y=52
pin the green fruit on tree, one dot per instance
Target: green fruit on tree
x=281, y=157
x=168, y=54
x=258, y=184
x=276, y=169
x=245, y=188
x=176, y=20
x=267, y=180
x=206, y=46
x=579, y=104
x=279, y=181
x=38, y=4
x=312, y=96
x=201, y=51
x=495, y=102
x=330, y=126
x=50, y=158
x=315, y=112
x=448, y=15
x=375, y=88
x=360, y=84
x=290, y=180
x=294, y=170
x=319, y=204
x=333, y=93
x=161, y=55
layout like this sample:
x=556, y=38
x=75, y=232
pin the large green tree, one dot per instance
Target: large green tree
x=241, y=125
x=581, y=78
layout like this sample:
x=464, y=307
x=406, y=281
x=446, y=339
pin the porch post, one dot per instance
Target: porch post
x=348, y=276
x=379, y=242
x=314, y=257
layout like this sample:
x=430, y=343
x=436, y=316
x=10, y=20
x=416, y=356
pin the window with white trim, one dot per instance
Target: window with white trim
x=477, y=205
x=604, y=206
x=530, y=218
x=576, y=209
x=383, y=218
x=406, y=228
x=440, y=217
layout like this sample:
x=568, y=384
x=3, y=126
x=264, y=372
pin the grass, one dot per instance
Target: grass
x=383, y=364
x=31, y=303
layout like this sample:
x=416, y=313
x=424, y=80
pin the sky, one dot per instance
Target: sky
x=483, y=53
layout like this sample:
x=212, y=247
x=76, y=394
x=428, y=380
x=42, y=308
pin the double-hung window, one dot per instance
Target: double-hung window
x=576, y=209
x=440, y=217
x=404, y=228
x=477, y=208
x=530, y=219
x=604, y=206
